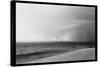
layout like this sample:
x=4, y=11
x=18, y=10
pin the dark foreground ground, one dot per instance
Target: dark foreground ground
x=30, y=52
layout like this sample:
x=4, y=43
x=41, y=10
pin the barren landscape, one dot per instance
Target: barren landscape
x=36, y=52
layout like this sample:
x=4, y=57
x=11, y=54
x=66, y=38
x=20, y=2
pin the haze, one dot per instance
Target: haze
x=38, y=22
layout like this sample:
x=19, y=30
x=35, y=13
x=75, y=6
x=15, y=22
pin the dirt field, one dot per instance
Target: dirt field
x=34, y=53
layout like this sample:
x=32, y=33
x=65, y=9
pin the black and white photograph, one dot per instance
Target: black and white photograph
x=47, y=33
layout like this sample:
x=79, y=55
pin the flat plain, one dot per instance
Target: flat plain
x=35, y=52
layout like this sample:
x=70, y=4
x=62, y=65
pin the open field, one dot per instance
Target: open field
x=29, y=52
x=25, y=48
x=81, y=54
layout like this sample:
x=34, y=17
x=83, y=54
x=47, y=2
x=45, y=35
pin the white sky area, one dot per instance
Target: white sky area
x=39, y=22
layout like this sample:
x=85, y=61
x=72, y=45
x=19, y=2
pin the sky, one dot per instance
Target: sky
x=40, y=23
